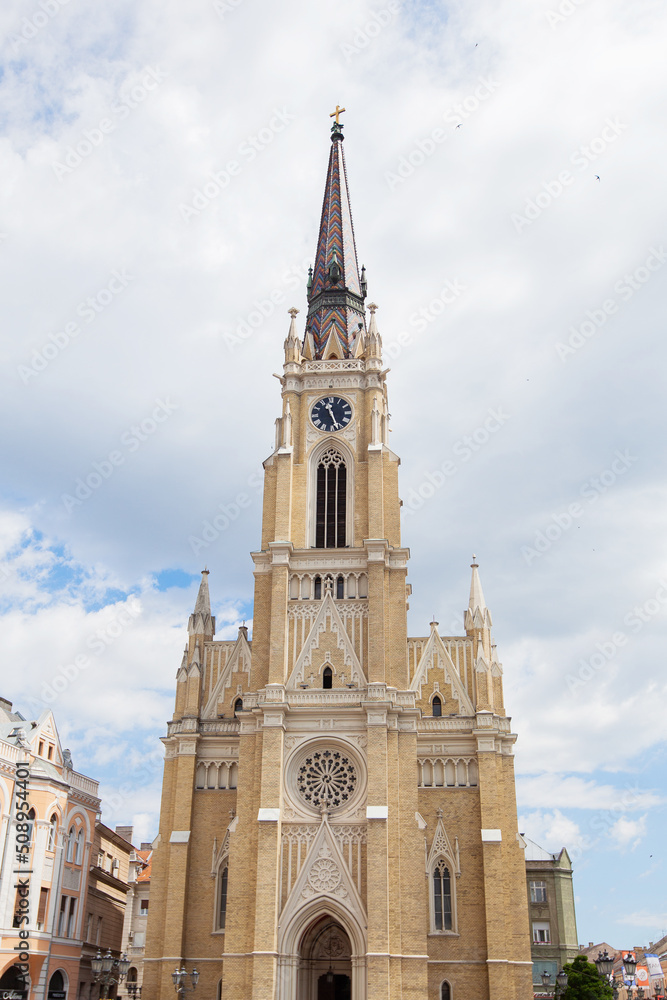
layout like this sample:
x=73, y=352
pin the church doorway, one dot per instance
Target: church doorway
x=333, y=987
x=325, y=967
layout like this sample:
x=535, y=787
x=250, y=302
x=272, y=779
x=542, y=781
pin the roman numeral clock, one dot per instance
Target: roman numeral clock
x=331, y=413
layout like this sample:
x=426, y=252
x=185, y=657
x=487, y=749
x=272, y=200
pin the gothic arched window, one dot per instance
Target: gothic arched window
x=442, y=897
x=318, y=588
x=331, y=501
x=222, y=897
x=340, y=588
x=70, y=845
x=53, y=833
x=238, y=705
x=327, y=678
x=437, y=706
x=445, y=991
x=78, y=857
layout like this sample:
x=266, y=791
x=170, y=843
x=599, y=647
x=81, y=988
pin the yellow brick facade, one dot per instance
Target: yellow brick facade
x=321, y=777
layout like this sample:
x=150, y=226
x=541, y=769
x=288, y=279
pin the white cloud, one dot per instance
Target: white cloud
x=553, y=831
x=549, y=790
x=65, y=574
x=628, y=833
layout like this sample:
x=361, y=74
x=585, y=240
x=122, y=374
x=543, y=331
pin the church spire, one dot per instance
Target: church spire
x=477, y=614
x=201, y=622
x=336, y=293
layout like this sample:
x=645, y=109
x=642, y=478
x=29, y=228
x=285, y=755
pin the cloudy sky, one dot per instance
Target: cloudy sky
x=163, y=166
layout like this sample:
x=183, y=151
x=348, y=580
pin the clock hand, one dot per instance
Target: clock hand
x=331, y=414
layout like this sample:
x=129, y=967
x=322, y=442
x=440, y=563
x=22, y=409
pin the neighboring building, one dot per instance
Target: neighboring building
x=105, y=904
x=338, y=808
x=136, y=916
x=553, y=924
x=62, y=806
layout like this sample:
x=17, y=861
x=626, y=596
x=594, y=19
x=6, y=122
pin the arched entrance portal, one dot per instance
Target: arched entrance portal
x=325, y=965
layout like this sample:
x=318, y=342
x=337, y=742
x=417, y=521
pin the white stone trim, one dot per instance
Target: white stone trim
x=179, y=837
x=492, y=836
x=377, y=812
x=268, y=815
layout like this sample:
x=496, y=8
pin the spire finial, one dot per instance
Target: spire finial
x=294, y=313
x=372, y=308
x=337, y=113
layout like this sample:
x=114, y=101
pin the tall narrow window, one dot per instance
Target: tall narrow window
x=53, y=831
x=70, y=918
x=445, y=992
x=437, y=706
x=318, y=588
x=238, y=705
x=340, y=588
x=70, y=845
x=331, y=511
x=41, y=911
x=78, y=858
x=327, y=678
x=222, y=898
x=61, y=915
x=442, y=897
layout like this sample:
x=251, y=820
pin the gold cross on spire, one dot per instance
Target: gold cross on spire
x=336, y=113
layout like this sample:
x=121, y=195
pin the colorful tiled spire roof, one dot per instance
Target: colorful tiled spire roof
x=336, y=293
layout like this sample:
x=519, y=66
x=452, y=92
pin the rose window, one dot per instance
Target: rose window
x=327, y=778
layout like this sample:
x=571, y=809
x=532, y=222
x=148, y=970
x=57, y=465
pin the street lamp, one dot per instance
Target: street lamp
x=605, y=964
x=179, y=979
x=559, y=986
x=108, y=971
x=630, y=964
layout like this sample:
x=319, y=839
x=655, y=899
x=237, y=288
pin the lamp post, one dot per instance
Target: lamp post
x=559, y=986
x=630, y=965
x=108, y=971
x=179, y=978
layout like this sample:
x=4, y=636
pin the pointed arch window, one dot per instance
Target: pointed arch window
x=79, y=848
x=327, y=678
x=70, y=845
x=442, y=897
x=221, y=901
x=437, y=707
x=53, y=833
x=445, y=991
x=238, y=705
x=331, y=501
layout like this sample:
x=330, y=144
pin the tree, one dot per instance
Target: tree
x=584, y=983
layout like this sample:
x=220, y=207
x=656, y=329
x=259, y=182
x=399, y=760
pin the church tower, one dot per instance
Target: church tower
x=338, y=814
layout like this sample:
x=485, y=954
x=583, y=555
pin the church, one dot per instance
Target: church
x=338, y=817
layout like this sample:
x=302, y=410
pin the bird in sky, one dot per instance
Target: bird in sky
x=597, y=177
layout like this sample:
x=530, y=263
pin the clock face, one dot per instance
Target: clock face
x=331, y=413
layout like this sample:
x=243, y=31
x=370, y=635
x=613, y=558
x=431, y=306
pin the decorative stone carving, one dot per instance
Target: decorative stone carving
x=324, y=876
